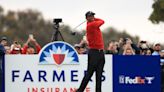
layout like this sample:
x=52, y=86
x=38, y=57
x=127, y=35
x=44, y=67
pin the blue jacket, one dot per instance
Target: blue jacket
x=2, y=53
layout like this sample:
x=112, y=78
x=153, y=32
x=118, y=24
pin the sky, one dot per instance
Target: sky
x=129, y=15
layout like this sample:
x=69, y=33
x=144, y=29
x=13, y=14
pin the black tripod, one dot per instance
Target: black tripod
x=56, y=33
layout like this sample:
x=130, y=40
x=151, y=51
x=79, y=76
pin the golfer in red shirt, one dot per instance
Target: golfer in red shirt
x=96, y=59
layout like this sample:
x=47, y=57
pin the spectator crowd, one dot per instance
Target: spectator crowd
x=125, y=46
x=31, y=46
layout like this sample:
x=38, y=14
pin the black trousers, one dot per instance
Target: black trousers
x=96, y=61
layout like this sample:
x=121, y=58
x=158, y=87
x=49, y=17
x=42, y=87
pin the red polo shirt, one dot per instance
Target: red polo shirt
x=94, y=35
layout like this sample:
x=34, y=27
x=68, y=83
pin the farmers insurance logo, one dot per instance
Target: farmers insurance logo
x=58, y=53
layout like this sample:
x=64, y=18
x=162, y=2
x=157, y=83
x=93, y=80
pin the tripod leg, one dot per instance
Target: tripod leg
x=61, y=36
x=55, y=36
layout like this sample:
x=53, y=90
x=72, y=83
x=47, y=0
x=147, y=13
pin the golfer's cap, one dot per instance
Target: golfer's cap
x=89, y=13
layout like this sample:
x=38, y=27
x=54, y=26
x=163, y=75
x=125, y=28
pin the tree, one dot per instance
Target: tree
x=18, y=25
x=157, y=15
x=1, y=10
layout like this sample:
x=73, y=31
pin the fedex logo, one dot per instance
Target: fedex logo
x=136, y=80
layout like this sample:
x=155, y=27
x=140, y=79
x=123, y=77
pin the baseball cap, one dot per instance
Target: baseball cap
x=89, y=13
x=4, y=38
x=77, y=46
x=157, y=44
x=162, y=51
x=16, y=49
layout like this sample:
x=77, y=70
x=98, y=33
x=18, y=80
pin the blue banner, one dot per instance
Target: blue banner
x=136, y=74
